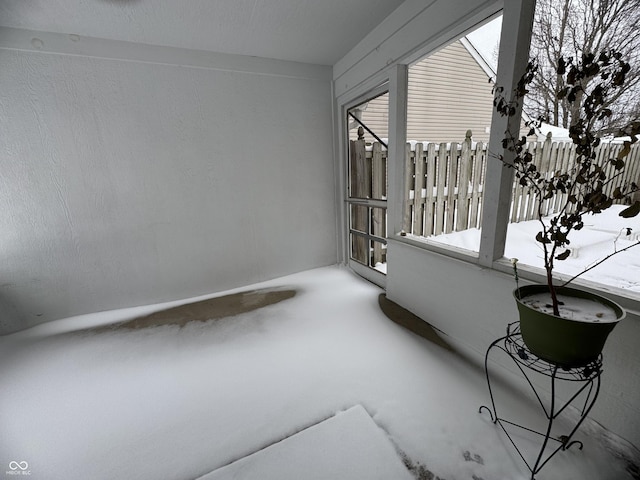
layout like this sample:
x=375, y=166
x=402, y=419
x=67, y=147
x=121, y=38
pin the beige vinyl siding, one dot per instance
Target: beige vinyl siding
x=375, y=115
x=449, y=93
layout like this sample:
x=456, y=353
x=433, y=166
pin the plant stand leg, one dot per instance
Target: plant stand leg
x=588, y=377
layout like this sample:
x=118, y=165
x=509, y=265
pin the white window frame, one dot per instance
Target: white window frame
x=517, y=23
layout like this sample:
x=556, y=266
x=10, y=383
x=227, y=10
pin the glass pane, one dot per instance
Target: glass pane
x=369, y=252
x=359, y=219
x=379, y=256
x=359, y=249
x=450, y=105
x=367, y=156
x=378, y=222
x=368, y=148
x=370, y=221
x=553, y=152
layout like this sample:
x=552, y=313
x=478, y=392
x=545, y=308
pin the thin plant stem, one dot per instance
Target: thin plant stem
x=599, y=262
x=514, y=262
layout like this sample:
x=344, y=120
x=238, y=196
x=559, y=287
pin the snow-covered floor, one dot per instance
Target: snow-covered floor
x=177, y=403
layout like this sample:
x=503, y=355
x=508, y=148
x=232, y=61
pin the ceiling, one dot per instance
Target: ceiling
x=311, y=31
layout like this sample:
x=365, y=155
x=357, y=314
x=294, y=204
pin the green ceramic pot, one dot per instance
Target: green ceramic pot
x=569, y=343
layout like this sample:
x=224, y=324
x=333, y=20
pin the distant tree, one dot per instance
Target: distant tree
x=572, y=29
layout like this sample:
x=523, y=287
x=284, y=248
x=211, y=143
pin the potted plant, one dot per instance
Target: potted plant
x=553, y=323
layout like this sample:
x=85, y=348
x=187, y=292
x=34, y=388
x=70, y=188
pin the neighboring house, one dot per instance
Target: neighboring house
x=450, y=92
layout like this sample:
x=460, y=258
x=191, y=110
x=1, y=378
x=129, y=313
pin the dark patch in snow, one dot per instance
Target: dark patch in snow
x=469, y=457
x=419, y=471
x=205, y=310
x=408, y=320
x=633, y=470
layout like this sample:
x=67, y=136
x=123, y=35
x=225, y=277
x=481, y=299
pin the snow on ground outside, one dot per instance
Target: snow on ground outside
x=177, y=403
x=602, y=234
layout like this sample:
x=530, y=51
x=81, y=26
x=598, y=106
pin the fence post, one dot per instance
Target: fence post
x=454, y=162
x=545, y=165
x=462, y=204
x=532, y=193
x=360, y=188
x=479, y=169
x=409, y=170
x=430, y=160
x=441, y=180
x=633, y=165
x=378, y=191
x=418, y=213
x=568, y=156
x=603, y=153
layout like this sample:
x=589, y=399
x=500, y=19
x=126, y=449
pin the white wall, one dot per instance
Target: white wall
x=474, y=305
x=133, y=174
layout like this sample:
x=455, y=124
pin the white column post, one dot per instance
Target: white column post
x=398, y=81
x=517, y=22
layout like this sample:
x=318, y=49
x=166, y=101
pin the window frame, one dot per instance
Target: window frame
x=517, y=23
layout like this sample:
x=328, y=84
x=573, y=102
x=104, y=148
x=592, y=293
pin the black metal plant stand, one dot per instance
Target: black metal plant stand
x=588, y=376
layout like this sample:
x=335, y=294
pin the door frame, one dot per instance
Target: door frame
x=392, y=80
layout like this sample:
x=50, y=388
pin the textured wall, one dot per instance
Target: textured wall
x=126, y=182
x=474, y=305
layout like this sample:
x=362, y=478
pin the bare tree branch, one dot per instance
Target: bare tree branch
x=571, y=28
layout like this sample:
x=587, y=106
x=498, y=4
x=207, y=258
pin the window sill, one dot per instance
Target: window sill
x=437, y=247
x=630, y=301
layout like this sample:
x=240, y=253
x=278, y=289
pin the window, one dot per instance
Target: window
x=553, y=150
x=367, y=125
x=450, y=105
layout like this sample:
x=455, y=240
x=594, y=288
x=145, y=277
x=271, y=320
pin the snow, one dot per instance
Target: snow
x=602, y=234
x=572, y=308
x=349, y=442
x=558, y=134
x=180, y=403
